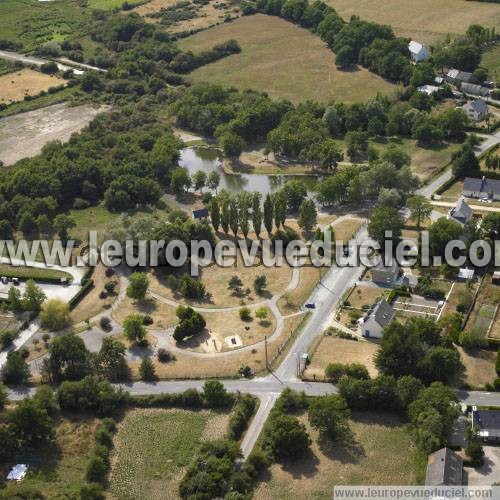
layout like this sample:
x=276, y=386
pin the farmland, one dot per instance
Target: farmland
x=381, y=452
x=27, y=82
x=427, y=20
x=153, y=448
x=491, y=62
x=282, y=59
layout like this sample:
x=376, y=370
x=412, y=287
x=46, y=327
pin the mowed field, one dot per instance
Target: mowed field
x=282, y=59
x=491, y=61
x=14, y=86
x=154, y=447
x=426, y=20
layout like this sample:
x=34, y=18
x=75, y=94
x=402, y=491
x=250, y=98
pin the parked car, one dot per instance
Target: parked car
x=311, y=305
x=4, y=280
x=15, y=281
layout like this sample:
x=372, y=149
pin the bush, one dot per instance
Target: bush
x=96, y=469
x=147, y=320
x=164, y=356
x=245, y=314
x=242, y=412
x=92, y=491
x=105, y=323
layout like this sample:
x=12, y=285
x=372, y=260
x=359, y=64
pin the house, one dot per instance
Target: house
x=461, y=213
x=465, y=274
x=385, y=275
x=201, y=213
x=18, y=472
x=457, y=77
x=482, y=189
x=376, y=320
x=476, y=110
x=495, y=279
x=472, y=88
x=444, y=468
x=428, y=89
x=486, y=423
x=418, y=51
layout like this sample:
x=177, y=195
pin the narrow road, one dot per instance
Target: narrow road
x=35, y=61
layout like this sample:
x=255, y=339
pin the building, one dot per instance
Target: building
x=428, y=89
x=18, y=472
x=486, y=423
x=476, y=110
x=418, y=51
x=472, y=88
x=444, y=468
x=376, y=320
x=385, y=275
x=461, y=213
x=457, y=77
x=482, y=189
x=495, y=279
x=201, y=213
x=465, y=274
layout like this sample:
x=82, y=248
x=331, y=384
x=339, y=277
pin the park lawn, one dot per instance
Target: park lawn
x=491, y=62
x=58, y=470
x=34, y=23
x=333, y=349
x=35, y=273
x=154, y=447
x=283, y=60
x=427, y=21
x=163, y=315
x=97, y=218
x=379, y=453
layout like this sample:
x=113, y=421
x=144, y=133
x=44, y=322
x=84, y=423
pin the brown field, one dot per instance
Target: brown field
x=426, y=20
x=479, y=367
x=336, y=350
x=366, y=296
x=347, y=228
x=451, y=304
x=379, y=453
x=15, y=86
x=282, y=59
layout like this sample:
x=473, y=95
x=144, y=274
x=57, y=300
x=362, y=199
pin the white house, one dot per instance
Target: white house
x=476, y=110
x=418, y=51
x=461, y=213
x=376, y=320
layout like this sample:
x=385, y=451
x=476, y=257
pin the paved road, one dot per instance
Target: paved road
x=35, y=61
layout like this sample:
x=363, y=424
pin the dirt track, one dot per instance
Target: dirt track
x=25, y=134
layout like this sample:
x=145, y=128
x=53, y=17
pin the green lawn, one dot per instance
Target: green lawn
x=491, y=61
x=32, y=273
x=153, y=448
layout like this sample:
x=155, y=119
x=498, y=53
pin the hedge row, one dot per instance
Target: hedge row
x=84, y=290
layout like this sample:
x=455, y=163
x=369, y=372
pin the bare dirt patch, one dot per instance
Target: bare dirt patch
x=479, y=367
x=336, y=350
x=25, y=134
x=27, y=82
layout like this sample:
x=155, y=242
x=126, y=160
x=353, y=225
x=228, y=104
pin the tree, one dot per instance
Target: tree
x=31, y=424
x=15, y=370
x=465, y=162
x=408, y=388
x=68, y=358
x=96, y=469
x=345, y=57
x=62, y=224
x=441, y=233
x=280, y=208
x=215, y=394
x=397, y=157
x=234, y=216
x=245, y=314
x=357, y=144
x=329, y=415
x=138, y=286
x=261, y=313
x=225, y=215
x=260, y=283
x=389, y=197
x=385, y=219
x=475, y=452
x=44, y=398
x=55, y=314
x=439, y=363
x=33, y=296
x=14, y=298
x=307, y=215
x=3, y=396
x=420, y=208
x=235, y=285
x=286, y=437
x=191, y=323
x=232, y=144
x=295, y=193
x=133, y=328
x=329, y=154
x=215, y=213
x=213, y=181
x=256, y=213
x=111, y=360
x=268, y=214
x=147, y=370
x=180, y=180
x=199, y=180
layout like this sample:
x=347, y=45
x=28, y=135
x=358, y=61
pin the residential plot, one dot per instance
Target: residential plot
x=282, y=59
x=427, y=20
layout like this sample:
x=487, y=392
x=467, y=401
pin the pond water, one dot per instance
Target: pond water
x=208, y=160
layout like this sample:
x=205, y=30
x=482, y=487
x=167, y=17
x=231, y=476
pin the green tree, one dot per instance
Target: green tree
x=397, y=157
x=31, y=424
x=215, y=394
x=256, y=213
x=261, y=313
x=329, y=415
x=441, y=233
x=68, y=358
x=33, y=296
x=138, y=286
x=465, y=162
x=199, y=180
x=235, y=285
x=280, y=208
x=147, y=370
x=286, y=438
x=234, y=216
x=14, y=298
x=62, y=224
x=260, y=283
x=215, y=213
x=268, y=214
x=3, y=396
x=213, y=181
x=15, y=370
x=232, y=144
x=385, y=219
x=420, y=208
x=133, y=328
x=308, y=216
x=111, y=360
x=55, y=314
x=180, y=180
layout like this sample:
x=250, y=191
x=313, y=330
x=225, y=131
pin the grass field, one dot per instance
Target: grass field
x=35, y=273
x=426, y=20
x=282, y=59
x=380, y=453
x=154, y=447
x=15, y=86
x=478, y=368
x=491, y=61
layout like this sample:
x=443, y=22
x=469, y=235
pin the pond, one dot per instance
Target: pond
x=208, y=160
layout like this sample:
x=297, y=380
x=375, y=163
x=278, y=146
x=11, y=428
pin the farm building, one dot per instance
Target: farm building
x=487, y=424
x=472, y=88
x=444, y=468
x=418, y=51
x=385, y=275
x=482, y=188
x=457, y=77
x=461, y=213
x=376, y=320
x=476, y=110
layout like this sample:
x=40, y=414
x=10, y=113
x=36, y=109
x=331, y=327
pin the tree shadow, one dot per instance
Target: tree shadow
x=195, y=341
x=304, y=467
x=346, y=450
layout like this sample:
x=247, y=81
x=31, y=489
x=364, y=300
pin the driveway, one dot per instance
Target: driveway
x=489, y=473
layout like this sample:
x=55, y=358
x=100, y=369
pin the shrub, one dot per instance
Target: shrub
x=96, y=469
x=245, y=314
x=105, y=323
x=147, y=320
x=163, y=355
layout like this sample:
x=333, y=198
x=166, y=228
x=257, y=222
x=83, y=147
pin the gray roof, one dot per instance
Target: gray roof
x=444, y=468
x=461, y=211
x=471, y=88
x=383, y=313
x=486, y=422
x=461, y=76
x=393, y=268
x=483, y=185
x=200, y=212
